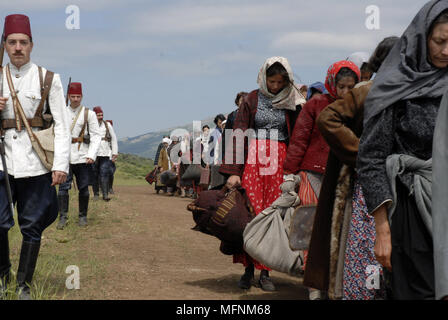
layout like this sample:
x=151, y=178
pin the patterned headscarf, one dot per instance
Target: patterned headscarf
x=290, y=96
x=330, y=81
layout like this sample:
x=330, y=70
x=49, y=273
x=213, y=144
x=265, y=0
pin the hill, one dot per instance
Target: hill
x=145, y=145
x=131, y=167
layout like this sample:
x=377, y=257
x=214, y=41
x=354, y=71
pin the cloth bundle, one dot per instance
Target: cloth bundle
x=266, y=237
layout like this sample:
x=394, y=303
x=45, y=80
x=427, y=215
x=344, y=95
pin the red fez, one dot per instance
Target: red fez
x=110, y=121
x=16, y=23
x=75, y=88
x=98, y=110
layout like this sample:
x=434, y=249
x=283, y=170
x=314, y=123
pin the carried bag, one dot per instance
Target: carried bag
x=205, y=176
x=42, y=141
x=152, y=176
x=301, y=227
x=168, y=178
x=217, y=180
x=266, y=237
x=224, y=214
x=193, y=172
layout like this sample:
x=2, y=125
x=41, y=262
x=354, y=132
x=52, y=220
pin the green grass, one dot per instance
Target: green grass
x=60, y=249
x=132, y=169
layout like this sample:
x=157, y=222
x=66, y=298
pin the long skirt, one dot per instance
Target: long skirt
x=307, y=197
x=262, y=177
x=363, y=274
x=412, y=259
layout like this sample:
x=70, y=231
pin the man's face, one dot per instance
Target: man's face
x=19, y=47
x=75, y=100
x=99, y=116
x=219, y=124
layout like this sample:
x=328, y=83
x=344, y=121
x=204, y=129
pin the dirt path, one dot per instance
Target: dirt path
x=143, y=248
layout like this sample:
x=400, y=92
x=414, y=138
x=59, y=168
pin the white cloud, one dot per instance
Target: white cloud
x=322, y=40
x=206, y=18
x=44, y=5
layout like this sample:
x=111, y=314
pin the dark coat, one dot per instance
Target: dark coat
x=308, y=150
x=245, y=119
x=341, y=125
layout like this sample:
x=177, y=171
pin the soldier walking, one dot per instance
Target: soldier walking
x=31, y=91
x=106, y=157
x=85, y=142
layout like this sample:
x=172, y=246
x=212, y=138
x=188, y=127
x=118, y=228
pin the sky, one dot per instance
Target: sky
x=153, y=64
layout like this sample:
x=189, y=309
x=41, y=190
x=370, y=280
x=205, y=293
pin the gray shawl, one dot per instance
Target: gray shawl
x=406, y=72
x=419, y=186
x=440, y=199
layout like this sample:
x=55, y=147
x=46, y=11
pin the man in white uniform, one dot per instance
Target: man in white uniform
x=85, y=141
x=106, y=157
x=32, y=185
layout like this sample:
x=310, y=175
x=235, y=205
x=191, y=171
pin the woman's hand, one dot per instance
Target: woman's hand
x=233, y=181
x=383, y=242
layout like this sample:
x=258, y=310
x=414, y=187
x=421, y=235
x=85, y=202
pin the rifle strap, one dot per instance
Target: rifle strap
x=86, y=123
x=76, y=119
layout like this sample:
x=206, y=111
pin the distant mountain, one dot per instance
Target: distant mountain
x=146, y=144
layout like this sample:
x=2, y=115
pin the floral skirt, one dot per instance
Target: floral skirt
x=262, y=177
x=363, y=274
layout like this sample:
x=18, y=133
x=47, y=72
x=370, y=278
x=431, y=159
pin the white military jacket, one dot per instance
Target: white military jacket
x=105, y=147
x=79, y=153
x=21, y=159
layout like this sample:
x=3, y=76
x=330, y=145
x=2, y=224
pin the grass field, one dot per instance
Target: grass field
x=61, y=249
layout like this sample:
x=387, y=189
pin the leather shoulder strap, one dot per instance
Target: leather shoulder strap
x=107, y=130
x=45, y=86
x=86, y=122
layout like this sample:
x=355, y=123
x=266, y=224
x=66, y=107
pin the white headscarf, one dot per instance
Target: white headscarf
x=290, y=96
x=359, y=58
x=166, y=140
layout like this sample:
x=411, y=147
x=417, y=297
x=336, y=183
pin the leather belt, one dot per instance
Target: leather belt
x=11, y=123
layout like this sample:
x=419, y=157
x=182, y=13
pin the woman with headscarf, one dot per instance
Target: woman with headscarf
x=308, y=152
x=315, y=88
x=339, y=223
x=269, y=113
x=395, y=151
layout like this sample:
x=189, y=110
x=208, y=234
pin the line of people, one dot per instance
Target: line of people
x=72, y=137
x=362, y=150
x=93, y=153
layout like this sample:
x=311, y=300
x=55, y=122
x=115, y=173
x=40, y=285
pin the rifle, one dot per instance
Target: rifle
x=2, y=135
x=68, y=88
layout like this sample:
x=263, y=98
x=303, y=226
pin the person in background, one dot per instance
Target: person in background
x=83, y=124
x=114, y=167
x=157, y=164
x=315, y=89
x=307, y=152
x=271, y=112
x=231, y=119
x=163, y=164
x=107, y=153
x=172, y=187
x=215, y=136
